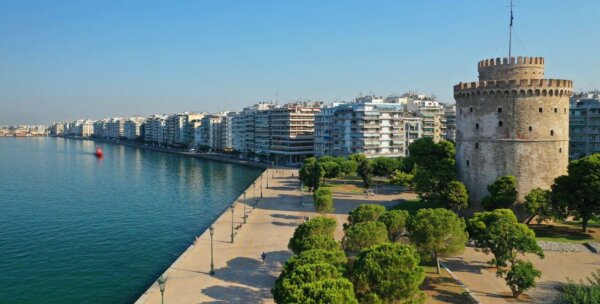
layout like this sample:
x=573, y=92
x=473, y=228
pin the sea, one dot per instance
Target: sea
x=79, y=229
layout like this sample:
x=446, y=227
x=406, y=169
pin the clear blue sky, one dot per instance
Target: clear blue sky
x=62, y=60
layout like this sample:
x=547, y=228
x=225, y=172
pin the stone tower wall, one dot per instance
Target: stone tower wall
x=512, y=126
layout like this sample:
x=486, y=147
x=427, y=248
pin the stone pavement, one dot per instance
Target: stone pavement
x=556, y=267
x=240, y=275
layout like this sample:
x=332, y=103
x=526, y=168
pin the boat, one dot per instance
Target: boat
x=99, y=153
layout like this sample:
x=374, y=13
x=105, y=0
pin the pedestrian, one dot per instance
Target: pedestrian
x=263, y=256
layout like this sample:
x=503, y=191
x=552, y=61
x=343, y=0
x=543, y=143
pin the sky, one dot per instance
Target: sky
x=64, y=60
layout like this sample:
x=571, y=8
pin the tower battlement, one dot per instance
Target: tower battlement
x=511, y=68
x=522, y=87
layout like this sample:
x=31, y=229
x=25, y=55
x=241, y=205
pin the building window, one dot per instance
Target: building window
x=555, y=110
x=530, y=129
x=471, y=110
x=476, y=126
x=541, y=110
x=559, y=150
x=565, y=111
x=551, y=132
x=467, y=163
x=499, y=110
x=500, y=123
x=476, y=145
x=460, y=111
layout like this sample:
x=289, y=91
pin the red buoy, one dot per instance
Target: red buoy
x=98, y=152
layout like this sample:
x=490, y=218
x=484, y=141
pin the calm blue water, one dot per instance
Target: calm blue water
x=75, y=229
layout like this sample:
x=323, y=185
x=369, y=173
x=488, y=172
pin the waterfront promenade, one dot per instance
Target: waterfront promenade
x=240, y=275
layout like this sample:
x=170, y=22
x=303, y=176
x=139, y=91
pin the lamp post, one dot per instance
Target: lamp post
x=245, y=216
x=267, y=176
x=261, y=187
x=162, y=281
x=212, y=264
x=232, y=234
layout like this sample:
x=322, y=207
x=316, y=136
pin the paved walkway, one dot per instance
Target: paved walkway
x=240, y=275
x=556, y=267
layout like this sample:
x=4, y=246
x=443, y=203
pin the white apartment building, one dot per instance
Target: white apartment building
x=115, y=128
x=155, y=129
x=133, y=128
x=584, y=124
x=180, y=128
x=324, y=131
x=244, y=127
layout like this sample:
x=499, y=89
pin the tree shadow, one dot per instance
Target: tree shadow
x=286, y=216
x=284, y=224
x=457, y=264
x=235, y=294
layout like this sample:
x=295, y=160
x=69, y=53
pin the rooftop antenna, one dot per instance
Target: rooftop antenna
x=510, y=30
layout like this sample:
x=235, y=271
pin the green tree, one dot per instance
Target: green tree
x=364, y=235
x=579, y=192
x=311, y=173
x=348, y=167
x=315, y=226
x=365, y=171
x=365, y=213
x=391, y=271
x=323, y=201
x=331, y=169
x=318, y=241
x=395, y=221
x=583, y=292
x=290, y=283
x=521, y=277
x=456, y=196
x=385, y=166
x=538, y=204
x=401, y=178
x=327, y=291
x=336, y=258
x=439, y=232
x=424, y=151
x=503, y=193
x=498, y=232
x=430, y=181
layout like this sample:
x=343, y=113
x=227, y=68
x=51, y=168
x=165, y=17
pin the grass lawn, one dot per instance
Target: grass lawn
x=442, y=288
x=412, y=206
x=566, y=232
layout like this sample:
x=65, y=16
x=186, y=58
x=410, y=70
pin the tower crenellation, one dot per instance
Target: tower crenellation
x=512, y=121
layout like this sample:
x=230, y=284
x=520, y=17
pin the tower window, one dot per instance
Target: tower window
x=500, y=123
x=565, y=111
x=551, y=132
x=460, y=111
x=476, y=145
x=555, y=110
x=467, y=163
x=541, y=110
x=476, y=126
x=559, y=150
x=471, y=110
x=499, y=110
x=530, y=129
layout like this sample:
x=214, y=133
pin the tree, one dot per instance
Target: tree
x=401, y=178
x=538, y=204
x=582, y=292
x=521, y=277
x=423, y=152
x=365, y=171
x=391, y=271
x=323, y=201
x=365, y=213
x=364, y=235
x=395, y=221
x=456, y=196
x=439, y=232
x=289, y=284
x=503, y=193
x=348, y=167
x=385, y=166
x=334, y=291
x=318, y=241
x=498, y=232
x=331, y=169
x=579, y=192
x=315, y=226
x=311, y=173
x=336, y=258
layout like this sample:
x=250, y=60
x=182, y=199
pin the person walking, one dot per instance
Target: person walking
x=263, y=256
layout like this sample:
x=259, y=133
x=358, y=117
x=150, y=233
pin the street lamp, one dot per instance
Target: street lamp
x=261, y=187
x=162, y=281
x=245, y=216
x=212, y=264
x=232, y=234
x=267, y=176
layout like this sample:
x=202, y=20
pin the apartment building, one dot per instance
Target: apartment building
x=133, y=128
x=244, y=128
x=155, y=129
x=324, y=130
x=449, y=122
x=584, y=124
x=179, y=129
x=115, y=128
x=432, y=113
x=292, y=131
